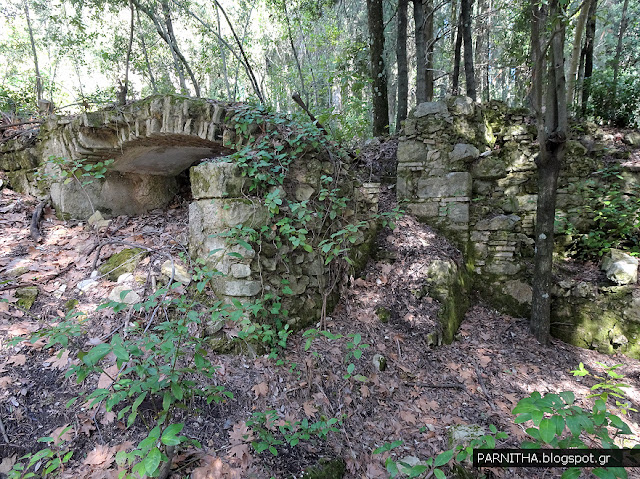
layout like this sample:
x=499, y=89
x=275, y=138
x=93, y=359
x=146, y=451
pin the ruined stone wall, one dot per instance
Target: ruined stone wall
x=470, y=171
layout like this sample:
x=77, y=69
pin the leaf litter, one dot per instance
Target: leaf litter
x=424, y=391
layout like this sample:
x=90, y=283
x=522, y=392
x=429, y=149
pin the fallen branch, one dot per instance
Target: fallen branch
x=484, y=389
x=5, y=127
x=35, y=221
x=439, y=386
x=300, y=102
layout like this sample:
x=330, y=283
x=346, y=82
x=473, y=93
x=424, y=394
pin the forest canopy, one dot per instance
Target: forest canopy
x=86, y=54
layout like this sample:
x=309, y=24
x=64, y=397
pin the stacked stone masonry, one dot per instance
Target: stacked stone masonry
x=470, y=171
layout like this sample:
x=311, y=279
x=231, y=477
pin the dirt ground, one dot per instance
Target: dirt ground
x=423, y=392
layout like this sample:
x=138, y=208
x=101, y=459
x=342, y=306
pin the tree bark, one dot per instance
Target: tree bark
x=616, y=60
x=590, y=35
x=403, y=69
x=34, y=53
x=575, y=51
x=469, y=73
x=552, y=137
x=124, y=87
x=457, y=56
x=430, y=44
x=376, y=50
x=421, y=52
x=146, y=54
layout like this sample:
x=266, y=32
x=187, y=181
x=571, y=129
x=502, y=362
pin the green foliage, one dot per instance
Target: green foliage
x=625, y=112
x=614, y=207
x=559, y=423
x=354, y=349
x=165, y=362
x=68, y=170
x=50, y=460
x=412, y=467
x=273, y=431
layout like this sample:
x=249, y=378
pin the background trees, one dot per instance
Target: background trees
x=336, y=53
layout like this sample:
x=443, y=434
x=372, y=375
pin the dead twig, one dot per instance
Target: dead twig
x=301, y=104
x=35, y=221
x=4, y=432
x=484, y=389
x=439, y=385
x=5, y=127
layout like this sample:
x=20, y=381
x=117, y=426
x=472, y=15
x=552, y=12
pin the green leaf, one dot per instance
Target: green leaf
x=571, y=473
x=244, y=244
x=603, y=473
x=152, y=461
x=443, y=458
x=177, y=391
x=96, y=353
x=547, y=430
x=568, y=397
x=169, y=435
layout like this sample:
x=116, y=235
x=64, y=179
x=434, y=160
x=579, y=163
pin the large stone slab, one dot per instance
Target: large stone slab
x=451, y=185
x=217, y=179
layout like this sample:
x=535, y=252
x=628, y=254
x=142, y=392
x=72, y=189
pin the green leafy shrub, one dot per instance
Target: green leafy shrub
x=625, y=112
x=615, y=211
x=559, y=423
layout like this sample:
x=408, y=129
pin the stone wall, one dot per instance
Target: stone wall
x=470, y=171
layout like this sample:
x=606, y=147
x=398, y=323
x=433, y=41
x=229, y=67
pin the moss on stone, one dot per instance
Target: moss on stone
x=120, y=263
x=326, y=469
x=383, y=314
x=27, y=296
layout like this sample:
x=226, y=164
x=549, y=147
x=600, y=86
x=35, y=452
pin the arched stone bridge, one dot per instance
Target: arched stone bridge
x=151, y=142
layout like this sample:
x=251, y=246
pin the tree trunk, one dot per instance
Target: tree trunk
x=430, y=43
x=421, y=52
x=575, y=52
x=589, y=39
x=455, y=85
x=295, y=52
x=465, y=11
x=616, y=60
x=376, y=49
x=124, y=87
x=552, y=137
x=481, y=47
x=403, y=70
x=34, y=53
x=146, y=54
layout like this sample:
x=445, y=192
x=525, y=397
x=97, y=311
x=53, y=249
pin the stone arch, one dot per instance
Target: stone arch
x=151, y=142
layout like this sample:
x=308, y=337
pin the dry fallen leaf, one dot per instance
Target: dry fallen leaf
x=240, y=433
x=61, y=360
x=62, y=434
x=309, y=409
x=108, y=417
x=5, y=381
x=100, y=455
x=260, y=390
x=7, y=464
x=408, y=417
x=106, y=378
x=18, y=359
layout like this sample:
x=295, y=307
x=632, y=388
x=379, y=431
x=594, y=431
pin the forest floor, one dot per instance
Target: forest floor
x=424, y=391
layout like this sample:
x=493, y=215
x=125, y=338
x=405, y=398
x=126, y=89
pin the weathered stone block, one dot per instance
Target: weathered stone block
x=411, y=151
x=620, y=267
x=498, y=223
x=453, y=184
x=217, y=215
x=237, y=288
x=431, y=108
x=464, y=152
x=458, y=212
x=213, y=179
x=423, y=210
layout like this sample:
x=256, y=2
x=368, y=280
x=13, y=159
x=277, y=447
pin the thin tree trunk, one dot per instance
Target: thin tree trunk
x=295, y=53
x=589, y=39
x=252, y=78
x=247, y=67
x=403, y=70
x=376, y=49
x=457, y=57
x=174, y=50
x=169, y=39
x=575, y=51
x=146, y=55
x=616, y=60
x=124, y=87
x=481, y=48
x=430, y=43
x=34, y=53
x=552, y=137
x=421, y=52
x=465, y=10
x=223, y=55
